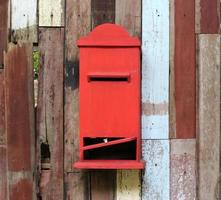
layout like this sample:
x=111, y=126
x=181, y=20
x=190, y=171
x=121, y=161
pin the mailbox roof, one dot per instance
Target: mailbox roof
x=108, y=35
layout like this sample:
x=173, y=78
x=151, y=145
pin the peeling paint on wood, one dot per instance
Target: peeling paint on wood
x=51, y=13
x=128, y=185
x=209, y=115
x=24, y=20
x=183, y=169
x=3, y=28
x=156, y=183
x=78, y=23
x=185, y=69
x=155, y=66
x=20, y=121
x=128, y=15
x=50, y=106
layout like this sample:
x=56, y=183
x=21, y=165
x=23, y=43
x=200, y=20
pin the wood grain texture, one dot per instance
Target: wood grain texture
x=2, y=108
x=156, y=184
x=128, y=185
x=102, y=12
x=185, y=69
x=209, y=115
x=50, y=107
x=20, y=121
x=209, y=16
x=183, y=169
x=3, y=28
x=3, y=173
x=155, y=69
x=128, y=15
x=103, y=184
x=24, y=20
x=51, y=12
x=78, y=23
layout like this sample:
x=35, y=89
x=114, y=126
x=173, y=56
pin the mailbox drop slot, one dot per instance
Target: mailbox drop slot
x=109, y=77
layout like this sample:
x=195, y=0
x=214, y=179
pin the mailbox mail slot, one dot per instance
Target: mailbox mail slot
x=109, y=100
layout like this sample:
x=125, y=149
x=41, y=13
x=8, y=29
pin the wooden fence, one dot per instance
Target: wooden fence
x=180, y=100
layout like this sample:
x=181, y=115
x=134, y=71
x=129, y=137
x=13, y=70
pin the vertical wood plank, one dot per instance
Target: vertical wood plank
x=20, y=121
x=24, y=20
x=155, y=69
x=209, y=115
x=3, y=156
x=50, y=107
x=128, y=185
x=183, y=169
x=185, y=69
x=78, y=23
x=156, y=174
x=102, y=12
x=128, y=15
x=102, y=184
x=3, y=28
x=51, y=13
x=208, y=17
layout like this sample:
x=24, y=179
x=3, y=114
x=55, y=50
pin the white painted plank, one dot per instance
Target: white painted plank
x=183, y=169
x=128, y=185
x=155, y=185
x=209, y=115
x=24, y=20
x=51, y=12
x=155, y=69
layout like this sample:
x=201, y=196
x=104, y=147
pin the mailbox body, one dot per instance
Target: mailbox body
x=109, y=100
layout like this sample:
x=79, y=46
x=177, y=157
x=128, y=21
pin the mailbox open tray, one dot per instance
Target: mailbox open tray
x=110, y=153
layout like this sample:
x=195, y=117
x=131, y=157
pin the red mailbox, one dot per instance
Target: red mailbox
x=109, y=100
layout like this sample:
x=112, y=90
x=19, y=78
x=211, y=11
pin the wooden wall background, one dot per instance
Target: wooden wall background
x=180, y=100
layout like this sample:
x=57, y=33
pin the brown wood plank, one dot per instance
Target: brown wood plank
x=209, y=16
x=3, y=173
x=128, y=14
x=102, y=12
x=3, y=28
x=78, y=23
x=185, y=69
x=102, y=184
x=209, y=117
x=20, y=121
x=50, y=109
x=2, y=109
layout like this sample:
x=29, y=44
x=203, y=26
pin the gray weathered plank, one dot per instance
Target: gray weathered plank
x=51, y=12
x=24, y=20
x=20, y=121
x=78, y=23
x=128, y=15
x=209, y=115
x=50, y=109
x=183, y=169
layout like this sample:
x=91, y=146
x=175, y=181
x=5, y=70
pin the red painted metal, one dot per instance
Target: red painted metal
x=109, y=100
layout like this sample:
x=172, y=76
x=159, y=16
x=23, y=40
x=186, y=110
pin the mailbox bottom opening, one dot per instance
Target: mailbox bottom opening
x=109, y=164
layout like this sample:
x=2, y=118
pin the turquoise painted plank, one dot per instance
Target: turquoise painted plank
x=155, y=69
x=156, y=184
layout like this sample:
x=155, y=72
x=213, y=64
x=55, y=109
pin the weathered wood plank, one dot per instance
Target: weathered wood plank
x=102, y=12
x=50, y=108
x=155, y=69
x=185, y=69
x=183, y=169
x=128, y=185
x=155, y=183
x=209, y=115
x=2, y=108
x=3, y=173
x=3, y=28
x=208, y=16
x=51, y=13
x=20, y=121
x=128, y=15
x=103, y=184
x=24, y=20
x=78, y=23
